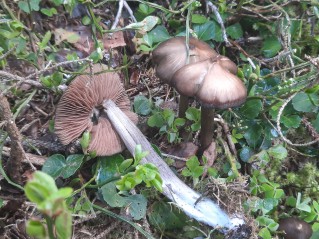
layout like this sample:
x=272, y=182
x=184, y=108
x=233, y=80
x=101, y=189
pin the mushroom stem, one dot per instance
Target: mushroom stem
x=184, y=197
x=207, y=128
x=183, y=105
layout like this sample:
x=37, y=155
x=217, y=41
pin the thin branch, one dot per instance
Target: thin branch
x=279, y=127
x=220, y=21
x=118, y=15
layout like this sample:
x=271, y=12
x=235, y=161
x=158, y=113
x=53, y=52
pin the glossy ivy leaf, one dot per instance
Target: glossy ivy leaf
x=305, y=102
x=54, y=165
x=271, y=46
x=158, y=34
x=142, y=105
x=208, y=31
x=235, y=31
x=253, y=135
x=291, y=121
x=251, y=108
x=72, y=164
x=108, y=167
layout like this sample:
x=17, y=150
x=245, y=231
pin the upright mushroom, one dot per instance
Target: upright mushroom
x=171, y=55
x=81, y=109
x=214, y=86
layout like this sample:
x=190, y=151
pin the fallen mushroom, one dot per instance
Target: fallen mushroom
x=294, y=228
x=171, y=55
x=81, y=109
x=214, y=87
x=182, y=196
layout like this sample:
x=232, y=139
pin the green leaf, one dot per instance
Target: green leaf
x=36, y=229
x=193, y=114
x=208, y=31
x=159, y=34
x=198, y=19
x=271, y=46
x=253, y=135
x=43, y=44
x=125, y=165
x=156, y=120
x=192, y=162
x=54, y=165
x=34, y=5
x=63, y=225
x=305, y=102
x=303, y=205
x=111, y=197
x=142, y=105
x=251, y=108
x=72, y=164
x=136, y=206
x=40, y=187
x=147, y=24
x=290, y=121
x=49, y=11
x=278, y=152
x=108, y=167
x=264, y=233
x=86, y=20
x=235, y=31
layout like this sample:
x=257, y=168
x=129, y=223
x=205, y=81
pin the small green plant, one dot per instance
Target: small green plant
x=50, y=201
x=147, y=173
x=193, y=169
x=167, y=123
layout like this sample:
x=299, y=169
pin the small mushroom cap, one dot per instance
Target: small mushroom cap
x=210, y=84
x=295, y=228
x=171, y=55
x=226, y=63
x=83, y=98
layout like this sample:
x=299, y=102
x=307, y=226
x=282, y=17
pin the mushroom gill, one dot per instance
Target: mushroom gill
x=81, y=109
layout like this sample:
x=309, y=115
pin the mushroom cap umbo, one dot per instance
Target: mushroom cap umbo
x=294, y=228
x=80, y=109
x=226, y=63
x=211, y=84
x=171, y=55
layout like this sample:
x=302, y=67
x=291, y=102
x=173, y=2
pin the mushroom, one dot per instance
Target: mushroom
x=171, y=55
x=81, y=109
x=294, y=228
x=214, y=86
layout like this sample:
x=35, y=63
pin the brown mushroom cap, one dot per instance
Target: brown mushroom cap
x=78, y=106
x=226, y=63
x=295, y=228
x=210, y=84
x=171, y=55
